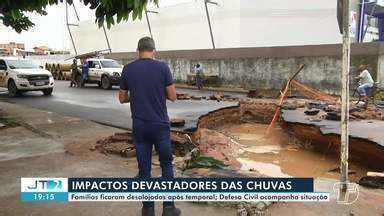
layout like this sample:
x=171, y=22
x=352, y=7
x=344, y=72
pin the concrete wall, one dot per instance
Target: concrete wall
x=268, y=68
x=380, y=71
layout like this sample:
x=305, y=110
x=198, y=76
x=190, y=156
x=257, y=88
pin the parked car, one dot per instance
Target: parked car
x=21, y=75
x=104, y=72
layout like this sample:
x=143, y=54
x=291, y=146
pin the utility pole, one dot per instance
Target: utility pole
x=344, y=151
x=68, y=25
x=148, y=22
x=106, y=38
x=206, y=2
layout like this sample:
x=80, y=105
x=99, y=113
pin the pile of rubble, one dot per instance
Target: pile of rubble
x=217, y=96
x=320, y=110
x=122, y=144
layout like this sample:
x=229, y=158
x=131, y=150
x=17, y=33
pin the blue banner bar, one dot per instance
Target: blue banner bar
x=196, y=185
x=44, y=196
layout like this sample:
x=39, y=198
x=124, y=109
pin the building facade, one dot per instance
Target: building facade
x=11, y=48
x=41, y=50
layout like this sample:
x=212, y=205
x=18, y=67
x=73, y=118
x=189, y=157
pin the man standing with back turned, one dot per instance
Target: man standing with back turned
x=147, y=83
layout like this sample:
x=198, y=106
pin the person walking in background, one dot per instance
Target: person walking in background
x=146, y=84
x=199, y=76
x=365, y=83
x=74, y=73
x=84, y=71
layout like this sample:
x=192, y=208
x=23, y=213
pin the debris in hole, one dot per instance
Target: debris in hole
x=196, y=160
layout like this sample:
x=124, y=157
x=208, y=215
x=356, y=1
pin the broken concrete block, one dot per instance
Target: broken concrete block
x=128, y=152
x=217, y=96
x=372, y=182
x=312, y=112
x=196, y=97
x=176, y=122
x=183, y=96
x=331, y=108
x=315, y=105
x=334, y=116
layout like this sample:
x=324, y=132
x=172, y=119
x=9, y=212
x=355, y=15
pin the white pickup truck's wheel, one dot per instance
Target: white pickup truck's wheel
x=12, y=89
x=105, y=83
x=48, y=91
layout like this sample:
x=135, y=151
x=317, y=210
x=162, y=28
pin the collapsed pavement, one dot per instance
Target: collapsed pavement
x=229, y=135
x=250, y=115
x=306, y=127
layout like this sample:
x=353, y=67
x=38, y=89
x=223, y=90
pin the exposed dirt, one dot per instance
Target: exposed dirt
x=281, y=155
x=214, y=144
x=304, y=152
x=361, y=150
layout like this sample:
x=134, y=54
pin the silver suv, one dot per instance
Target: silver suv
x=104, y=72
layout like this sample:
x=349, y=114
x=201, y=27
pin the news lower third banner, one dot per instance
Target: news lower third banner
x=177, y=189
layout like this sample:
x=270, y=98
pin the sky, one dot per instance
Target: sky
x=51, y=30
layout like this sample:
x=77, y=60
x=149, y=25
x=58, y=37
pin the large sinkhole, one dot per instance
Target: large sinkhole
x=236, y=137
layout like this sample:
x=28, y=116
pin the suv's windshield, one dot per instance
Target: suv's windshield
x=110, y=64
x=21, y=64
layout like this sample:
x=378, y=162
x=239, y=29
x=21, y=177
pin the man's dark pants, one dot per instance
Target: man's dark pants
x=145, y=135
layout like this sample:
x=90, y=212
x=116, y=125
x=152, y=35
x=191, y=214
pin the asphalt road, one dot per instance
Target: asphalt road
x=102, y=106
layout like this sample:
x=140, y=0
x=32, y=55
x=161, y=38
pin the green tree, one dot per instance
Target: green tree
x=13, y=13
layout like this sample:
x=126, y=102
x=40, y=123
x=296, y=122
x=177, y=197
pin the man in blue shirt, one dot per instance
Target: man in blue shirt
x=84, y=71
x=147, y=84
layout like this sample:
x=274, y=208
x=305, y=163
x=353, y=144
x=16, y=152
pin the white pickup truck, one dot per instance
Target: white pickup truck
x=21, y=75
x=104, y=72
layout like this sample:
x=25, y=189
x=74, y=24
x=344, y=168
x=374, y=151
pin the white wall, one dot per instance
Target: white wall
x=235, y=23
x=288, y=22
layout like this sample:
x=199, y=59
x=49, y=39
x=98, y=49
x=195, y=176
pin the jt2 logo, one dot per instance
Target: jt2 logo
x=46, y=184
